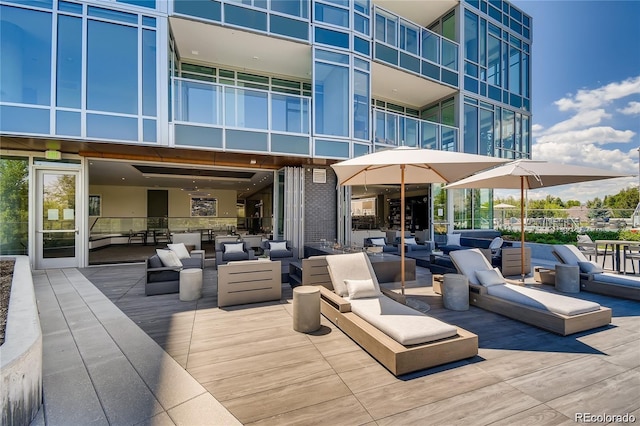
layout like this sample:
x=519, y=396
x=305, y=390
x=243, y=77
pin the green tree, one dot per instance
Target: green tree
x=597, y=209
x=14, y=205
x=623, y=203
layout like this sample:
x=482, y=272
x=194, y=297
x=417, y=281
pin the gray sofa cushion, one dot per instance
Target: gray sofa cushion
x=278, y=254
x=162, y=276
x=228, y=257
x=191, y=262
x=155, y=262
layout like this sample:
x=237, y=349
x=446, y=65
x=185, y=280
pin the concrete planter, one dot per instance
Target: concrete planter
x=21, y=352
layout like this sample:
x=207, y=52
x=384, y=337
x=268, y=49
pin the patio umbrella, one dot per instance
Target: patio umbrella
x=503, y=206
x=409, y=165
x=531, y=174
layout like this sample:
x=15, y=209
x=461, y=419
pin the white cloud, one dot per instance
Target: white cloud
x=632, y=108
x=588, y=155
x=580, y=120
x=536, y=129
x=598, y=135
x=596, y=98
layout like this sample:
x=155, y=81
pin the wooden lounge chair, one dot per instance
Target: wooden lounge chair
x=550, y=311
x=594, y=279
x=399, y=337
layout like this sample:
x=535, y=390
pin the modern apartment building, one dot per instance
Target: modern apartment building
x=225, y=115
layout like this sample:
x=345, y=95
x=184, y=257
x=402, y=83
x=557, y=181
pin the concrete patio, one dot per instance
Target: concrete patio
x=114, y=356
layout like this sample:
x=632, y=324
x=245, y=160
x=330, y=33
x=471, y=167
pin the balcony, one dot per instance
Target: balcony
x=237, y=118
x=392, y=129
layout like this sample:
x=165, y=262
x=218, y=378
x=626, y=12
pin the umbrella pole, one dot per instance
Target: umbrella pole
x=522, y=227
x=401, y=248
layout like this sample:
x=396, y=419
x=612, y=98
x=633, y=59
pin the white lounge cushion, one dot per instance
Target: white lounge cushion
x=610, y=278
x=377, y=241
x=359, y=289
x=590, y=268
x=234, y=247
x=350, y=266
x=400, y=322
x=169, y=258
x=569, y=254
x=279, y=245
x=468, y=262
x=490, y=278
x=410, y=241
x=453, y=239
x=551, y=302
x=180, y=250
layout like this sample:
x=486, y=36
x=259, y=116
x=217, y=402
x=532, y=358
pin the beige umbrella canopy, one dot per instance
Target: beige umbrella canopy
x=531, y=174
x=410, y=165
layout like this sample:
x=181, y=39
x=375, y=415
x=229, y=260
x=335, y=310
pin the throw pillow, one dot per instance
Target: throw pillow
x=234, y=248
x=276, y=246
x=169, y=258
x=180, y=250
x=410, y=241
x=590, y=268
x=377, y=241
x=359, y=289
x=453, y=239
x=490, y=277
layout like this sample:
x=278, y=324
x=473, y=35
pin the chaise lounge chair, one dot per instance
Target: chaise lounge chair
x=550, y=311
x=401, y=338
x=594, y=279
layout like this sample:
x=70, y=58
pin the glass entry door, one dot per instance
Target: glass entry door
x=57, y=230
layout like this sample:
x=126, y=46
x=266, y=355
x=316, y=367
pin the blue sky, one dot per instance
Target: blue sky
x=585, y=90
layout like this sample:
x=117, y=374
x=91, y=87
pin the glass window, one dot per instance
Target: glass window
x=112, y=68
x=514, y=71
x=25, y=56
x=112, y=127
x=331, y=15
x=291, y=7
x=429, y=135
x=69, y=62
x=361, y=23
x=243, y=17
x=448, y=113
x=149, y=130
x=24, y=120
x=361, y=6
x=332, y=149
x=289, y=114
x=142, y=3
x=331, y=99
x=204, y=9
x=508, y=129
x=326, y=55
x=113, y=15
x=361, y=105
x=493, y=61
x=68, y=123
x=449, y=26
x=525, y=75
x=332, y=38
x=14, y=210
x=486, y=132
x=409, y=38
x=449, y=55
x=471, y=36
x=66, y=6
x=289, y=27
x=470, y=129
x=149, y=72
x=386, y=29
x=198, y=102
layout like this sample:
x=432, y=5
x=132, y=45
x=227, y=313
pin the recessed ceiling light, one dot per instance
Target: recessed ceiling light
x=195, y=52
x=255, y=57
x=253, y=161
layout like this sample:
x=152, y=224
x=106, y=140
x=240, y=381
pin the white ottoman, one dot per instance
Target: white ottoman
x=568, y=278
x=455, y=292
x=306, y=308
x=190, y=284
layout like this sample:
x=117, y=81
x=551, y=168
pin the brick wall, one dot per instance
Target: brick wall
x=320, y=207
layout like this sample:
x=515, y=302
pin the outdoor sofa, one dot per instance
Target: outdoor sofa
x=594, y=279
x=163, y=277
x=400, y=338
x=550, y=311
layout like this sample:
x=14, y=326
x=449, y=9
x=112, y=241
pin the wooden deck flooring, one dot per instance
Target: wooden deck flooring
x=250, y=359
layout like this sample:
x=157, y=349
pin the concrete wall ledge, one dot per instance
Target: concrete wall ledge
x=21, y=352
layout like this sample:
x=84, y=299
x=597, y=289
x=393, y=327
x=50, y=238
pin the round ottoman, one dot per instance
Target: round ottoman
x=190, y=284
x=568, y=278
x=306, y=308
x=455, y=292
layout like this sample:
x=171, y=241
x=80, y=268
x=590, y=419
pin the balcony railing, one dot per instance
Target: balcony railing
x=219, y=105
x=399, y=130
x=420, y=43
